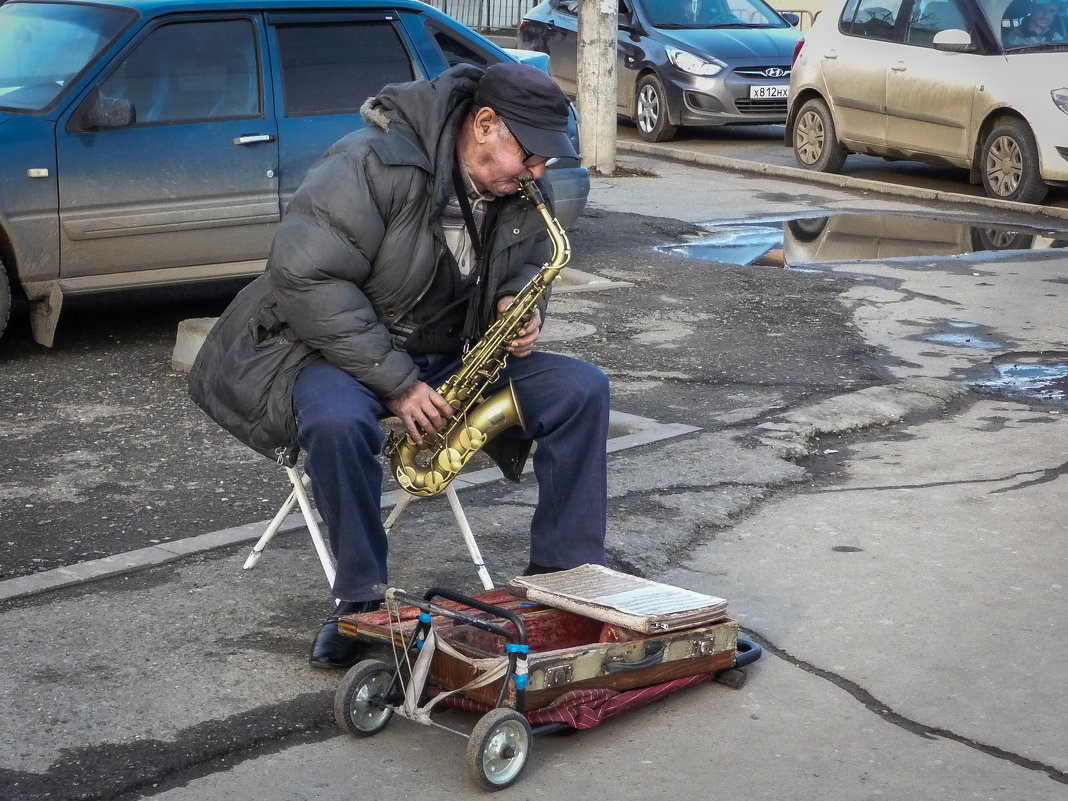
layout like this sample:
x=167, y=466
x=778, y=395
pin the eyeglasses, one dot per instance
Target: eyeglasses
x=527, y=155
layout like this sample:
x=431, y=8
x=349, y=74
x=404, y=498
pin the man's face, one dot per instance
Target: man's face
x=1042, y=17
x=501, y=163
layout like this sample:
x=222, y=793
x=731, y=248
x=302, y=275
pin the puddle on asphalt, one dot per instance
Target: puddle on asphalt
x=962, y=335
x=1042, y=377
x=855, y=237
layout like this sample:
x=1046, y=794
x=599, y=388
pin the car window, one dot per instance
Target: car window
x=711, y=14
x=44, y=47
x=872, y=19
x=189, y=72
x=333, y=67
x=567, y=6
x=456, y=50
x=1026, y=23
x=932, y=17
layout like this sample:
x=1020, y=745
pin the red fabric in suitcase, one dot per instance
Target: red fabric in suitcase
x=584, y=709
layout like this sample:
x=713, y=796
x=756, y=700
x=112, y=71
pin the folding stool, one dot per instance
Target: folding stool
x=299, y=496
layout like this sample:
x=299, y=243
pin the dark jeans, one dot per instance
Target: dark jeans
x=565, y=405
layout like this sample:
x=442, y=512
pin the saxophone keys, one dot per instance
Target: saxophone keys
x=451, y=460
x=435, y=482
x=406, y=477
x=472, y=439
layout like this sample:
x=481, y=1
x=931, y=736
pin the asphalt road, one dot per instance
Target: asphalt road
x=103, y=452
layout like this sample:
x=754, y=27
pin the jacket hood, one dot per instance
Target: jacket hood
x=429, y=108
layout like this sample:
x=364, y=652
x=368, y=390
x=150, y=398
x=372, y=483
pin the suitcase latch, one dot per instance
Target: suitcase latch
x=704, y=647
x=557, y=675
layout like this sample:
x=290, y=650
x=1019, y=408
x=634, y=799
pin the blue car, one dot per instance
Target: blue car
x=154, y=142
x=680, y=62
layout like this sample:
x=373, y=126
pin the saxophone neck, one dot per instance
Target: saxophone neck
x=561, y=246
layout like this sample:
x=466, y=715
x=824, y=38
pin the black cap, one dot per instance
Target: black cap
x=531, y=105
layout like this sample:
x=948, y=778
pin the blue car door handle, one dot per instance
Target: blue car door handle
x=252, y=139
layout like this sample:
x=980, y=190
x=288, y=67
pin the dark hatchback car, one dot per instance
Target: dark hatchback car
x=154, y=142
x=680, y=62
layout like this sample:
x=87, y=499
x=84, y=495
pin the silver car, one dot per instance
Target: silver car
x=680, y=62
x=967, y=83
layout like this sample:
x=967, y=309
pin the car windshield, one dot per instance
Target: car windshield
x=43, y=47
x=712, y=14
x=1028, y=25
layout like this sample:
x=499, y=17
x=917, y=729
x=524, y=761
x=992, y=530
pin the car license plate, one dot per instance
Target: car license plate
x=768, y=91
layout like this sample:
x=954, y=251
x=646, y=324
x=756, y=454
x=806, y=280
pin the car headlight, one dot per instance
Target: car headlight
x=1060, y=98
x=688, y=62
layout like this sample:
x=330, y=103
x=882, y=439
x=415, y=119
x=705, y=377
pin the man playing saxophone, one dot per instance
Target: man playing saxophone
x=401, y=248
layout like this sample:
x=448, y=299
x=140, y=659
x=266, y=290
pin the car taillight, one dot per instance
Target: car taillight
x=797, y=49
x=523, y=23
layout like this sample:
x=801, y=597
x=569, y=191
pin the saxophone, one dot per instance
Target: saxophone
x=426, y=470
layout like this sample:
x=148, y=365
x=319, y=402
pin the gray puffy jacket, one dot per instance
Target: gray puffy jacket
x=361, y=237
x=356, y=250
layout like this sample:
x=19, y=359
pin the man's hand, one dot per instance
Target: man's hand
x=421, y=409
x=523, y=344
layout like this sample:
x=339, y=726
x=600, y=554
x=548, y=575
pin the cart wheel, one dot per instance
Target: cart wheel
x=498, y=749
x=359, y=703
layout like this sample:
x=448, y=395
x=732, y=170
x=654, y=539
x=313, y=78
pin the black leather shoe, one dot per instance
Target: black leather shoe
x=332, y=647
x=534, y=569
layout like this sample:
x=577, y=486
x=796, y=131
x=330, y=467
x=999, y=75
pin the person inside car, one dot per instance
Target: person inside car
x=1044, y=23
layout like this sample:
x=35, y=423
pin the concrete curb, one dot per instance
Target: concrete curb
x=837, y=181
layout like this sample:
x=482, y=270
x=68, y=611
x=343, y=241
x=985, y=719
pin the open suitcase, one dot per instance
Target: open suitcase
x=523, y=662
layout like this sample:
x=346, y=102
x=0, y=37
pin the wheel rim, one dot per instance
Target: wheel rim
x=648, y=108
x=809, y=137
x=366, y=710
x=1004, y=166
x=505, y=752
x=1000, y=240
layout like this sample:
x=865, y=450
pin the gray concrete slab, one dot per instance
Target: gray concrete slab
x=788, y=734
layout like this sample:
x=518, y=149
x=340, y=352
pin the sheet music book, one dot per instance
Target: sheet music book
x=621, y=599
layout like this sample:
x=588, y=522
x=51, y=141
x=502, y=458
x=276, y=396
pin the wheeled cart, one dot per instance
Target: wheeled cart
x=527, y=667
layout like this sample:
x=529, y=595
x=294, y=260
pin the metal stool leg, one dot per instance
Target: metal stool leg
x=469, y=537
x=461, y=522
x=402, y=504
x=300, y=487
x=272, y=529
x=299, y=496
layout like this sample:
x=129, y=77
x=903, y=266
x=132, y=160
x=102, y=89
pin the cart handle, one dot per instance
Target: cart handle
x=482, y=606
x=425, y=604
x=747, y=652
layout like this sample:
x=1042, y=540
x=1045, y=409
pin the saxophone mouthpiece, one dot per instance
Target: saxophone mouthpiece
x=533, y=194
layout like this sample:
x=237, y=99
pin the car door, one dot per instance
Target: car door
x=632, y=54
x=930, y=93
x=183, y=180
x=561, y=43
x=328, y=64
x=855, y=70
